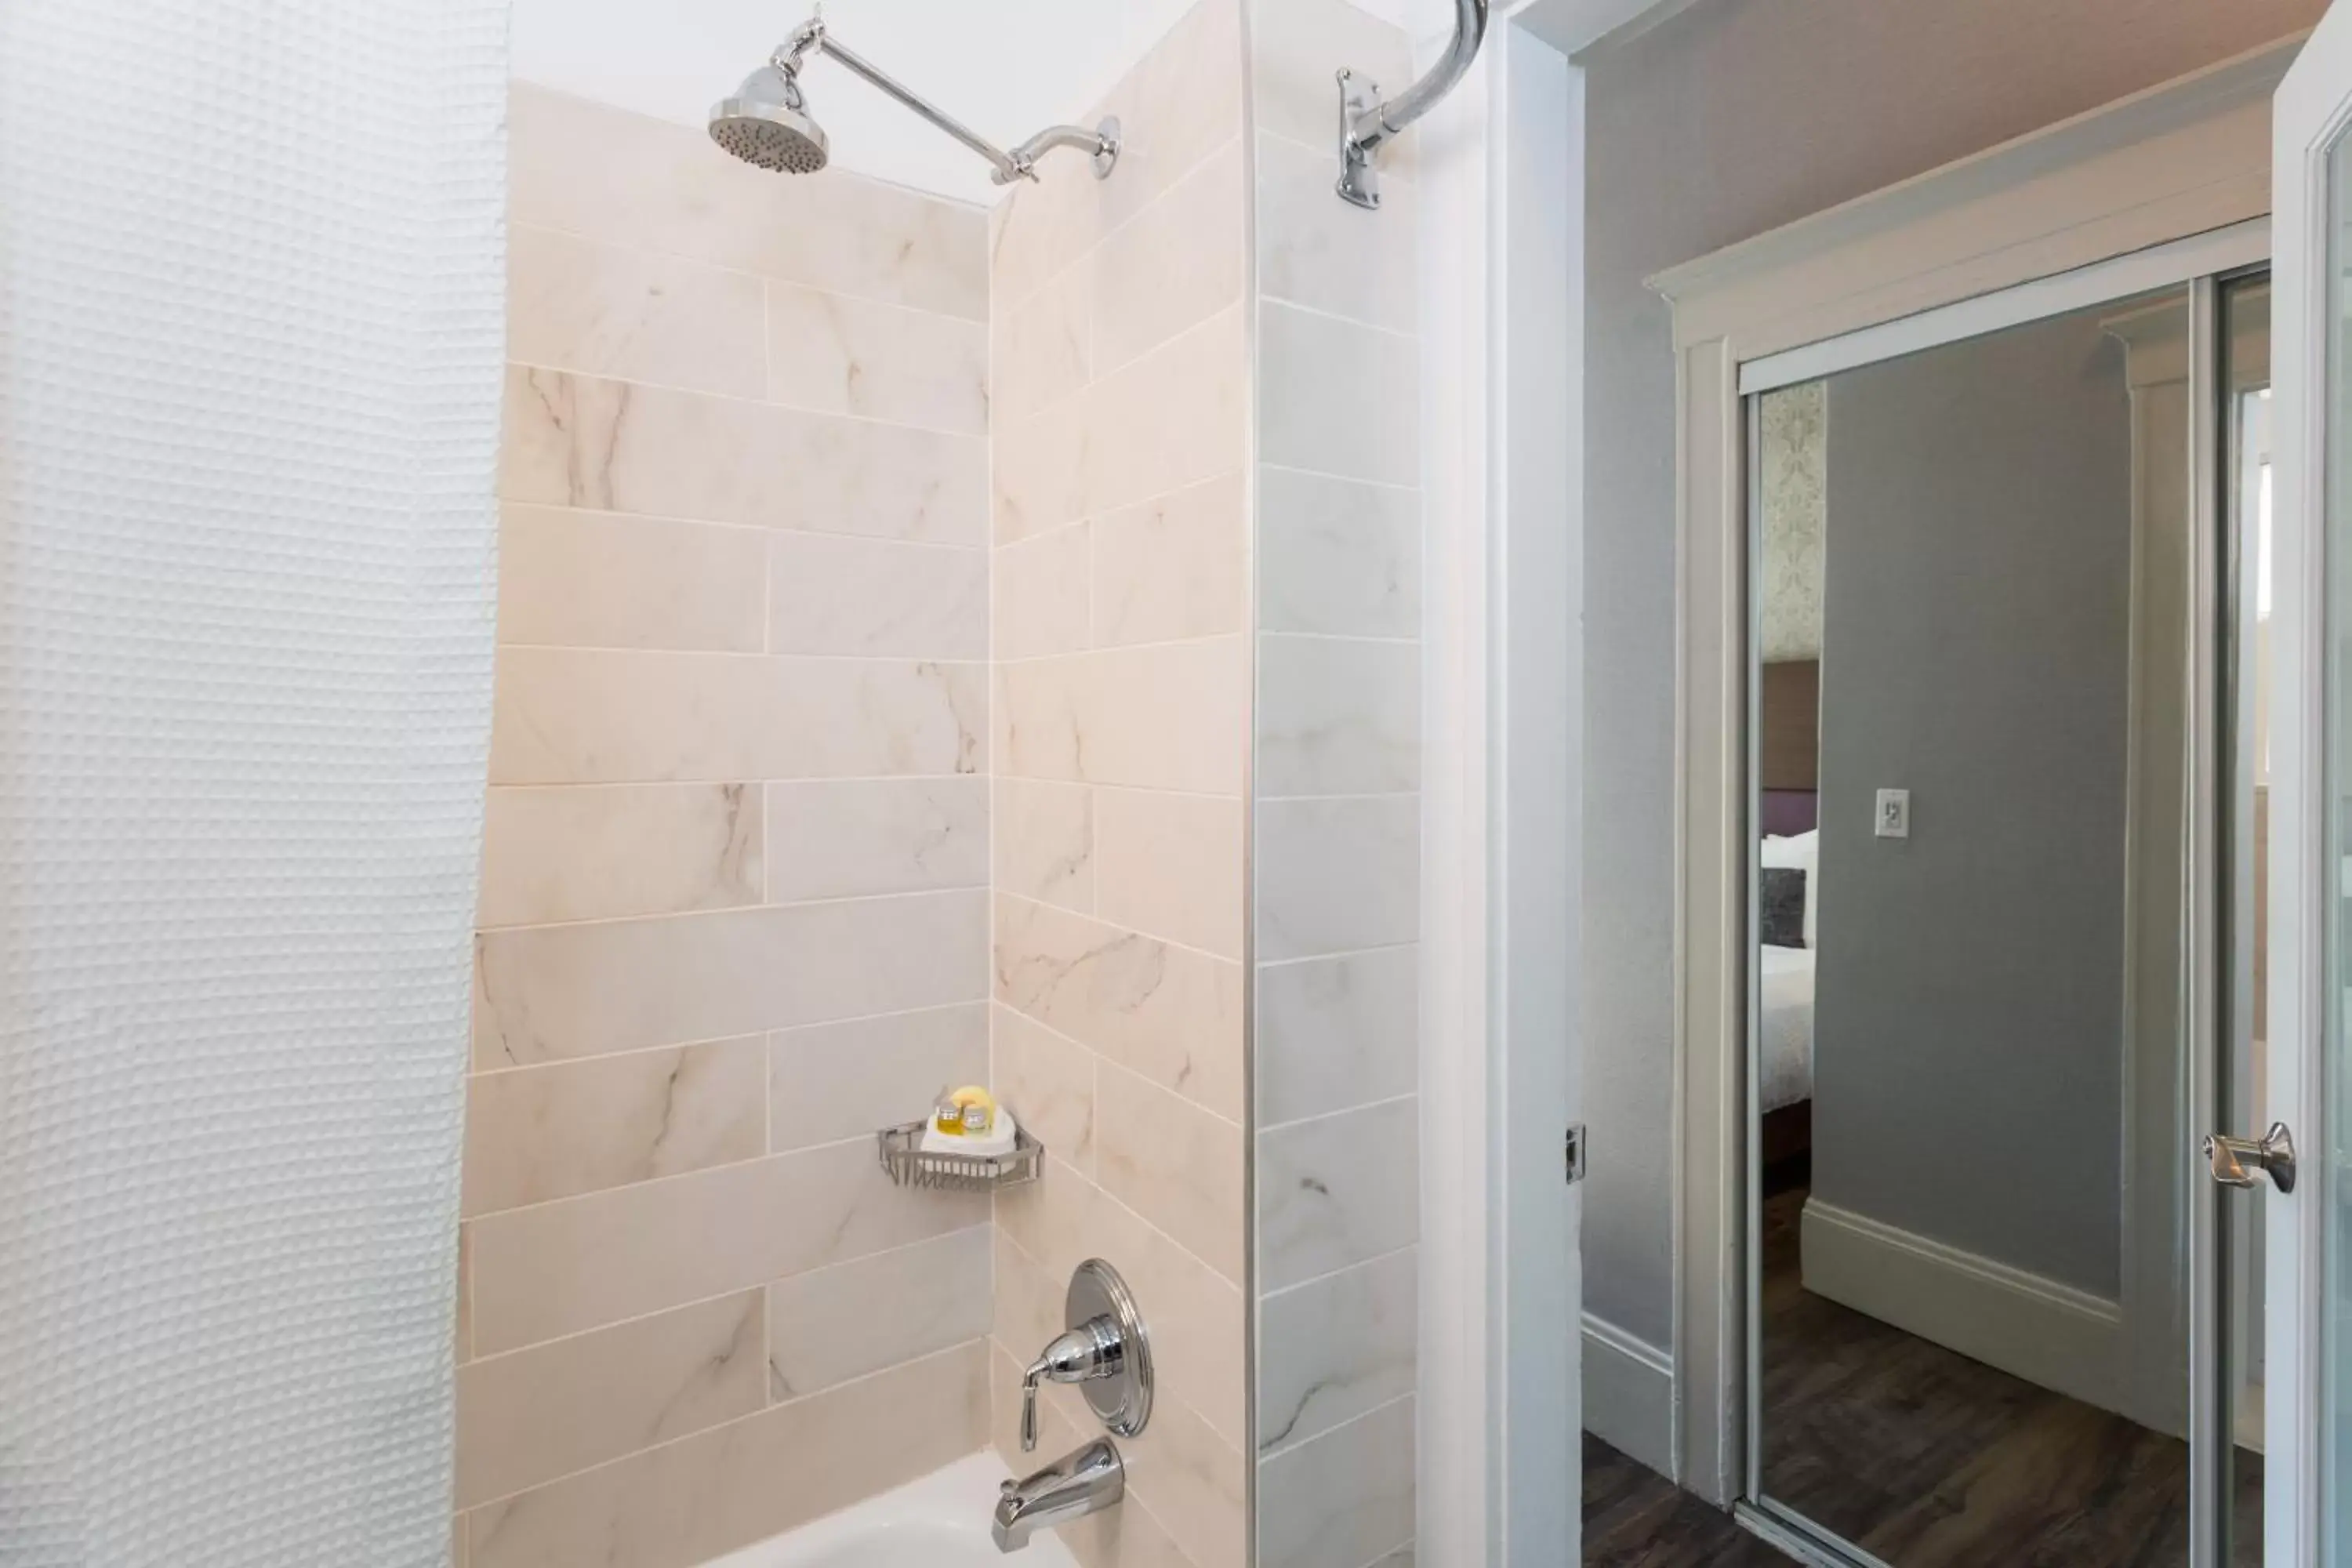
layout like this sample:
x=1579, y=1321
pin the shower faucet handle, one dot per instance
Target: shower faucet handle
x=1106, y=1350
x=1095, y=1348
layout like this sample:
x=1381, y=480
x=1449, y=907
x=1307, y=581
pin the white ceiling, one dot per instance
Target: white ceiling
x=1006, y=67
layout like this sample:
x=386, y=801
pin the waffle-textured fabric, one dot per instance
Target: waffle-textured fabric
x=251, y=311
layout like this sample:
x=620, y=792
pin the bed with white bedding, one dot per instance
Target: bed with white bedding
x=1785, y=1020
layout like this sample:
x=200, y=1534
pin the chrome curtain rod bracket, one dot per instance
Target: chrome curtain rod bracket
x=1367, y=120
x=1100, y=145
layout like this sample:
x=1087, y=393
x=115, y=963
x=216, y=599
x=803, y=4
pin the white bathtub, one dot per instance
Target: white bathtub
x=938, y=1521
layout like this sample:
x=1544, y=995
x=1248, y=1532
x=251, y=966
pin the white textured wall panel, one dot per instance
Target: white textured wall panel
x=250, y=329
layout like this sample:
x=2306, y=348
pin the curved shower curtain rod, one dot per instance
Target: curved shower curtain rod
x=1368, y=119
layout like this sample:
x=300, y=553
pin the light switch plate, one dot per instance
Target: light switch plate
x=1894, y=813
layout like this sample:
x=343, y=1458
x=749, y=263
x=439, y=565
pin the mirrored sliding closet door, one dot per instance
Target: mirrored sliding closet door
x=1993, y=982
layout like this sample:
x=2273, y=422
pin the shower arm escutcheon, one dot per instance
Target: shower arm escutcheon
x=1100, y=145
x=1367, y=120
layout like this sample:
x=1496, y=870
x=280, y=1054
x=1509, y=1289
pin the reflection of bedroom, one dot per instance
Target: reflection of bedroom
x=1791, y=452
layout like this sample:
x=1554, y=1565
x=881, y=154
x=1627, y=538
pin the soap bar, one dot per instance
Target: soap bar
x=1001, y=1140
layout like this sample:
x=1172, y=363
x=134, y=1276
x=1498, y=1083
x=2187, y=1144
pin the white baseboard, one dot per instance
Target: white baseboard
x=1629, y=1395
x=2029, y=1327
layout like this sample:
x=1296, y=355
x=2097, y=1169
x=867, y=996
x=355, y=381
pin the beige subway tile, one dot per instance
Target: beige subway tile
x=634, y=180
x=569, y=853
x=1336, y=1191
x=1172, y=418
x=1038, y=469
x=1328, y=255
x=1337, y=557
x=1336, y=1033
x=1336, y=1348
x=1123, y=1538
x=1171, y=716
x=583, y=716
x=1342, y=1499
x=1335, y=398
x=1337, y=875
x=585, y=1262
x=596, y=579
x=876, y=597
x=458, y=1541
x=639, y=315
x=1057, y=1222
x=618, y=445
x=1175, y=264
x=1048, y=1084
x=1170, y=866
x=830, y=1082
x=538, y=1413
x=1031, y=1303
x=552, y=993
x=832, y=1324
x=1041, y=594
x=1177, y=566
x=1194, y=1483
x=569, y=1128
x=1169, y=1014
x=1177, y=1165
x=1338, y=716
x=1036, y=231
x=1042, y=345
x=1180, y=102
x=1045, y=842
x=849, y=838
x=837, y=355
x=687, y=1501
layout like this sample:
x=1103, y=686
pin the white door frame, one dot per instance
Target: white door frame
x=2312, y=109
x=2161, y=187
x=1500, y=168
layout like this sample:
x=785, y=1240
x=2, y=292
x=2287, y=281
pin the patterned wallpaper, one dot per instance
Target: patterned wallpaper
x=1792, y=456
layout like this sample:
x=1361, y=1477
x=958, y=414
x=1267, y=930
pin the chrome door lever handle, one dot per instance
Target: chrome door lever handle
x=2244, y=1162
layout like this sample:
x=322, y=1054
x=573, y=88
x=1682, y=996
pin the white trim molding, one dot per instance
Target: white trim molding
x=2039, y=1330
x=2142, y=175
x=1629, y=1394
x=1500, y=238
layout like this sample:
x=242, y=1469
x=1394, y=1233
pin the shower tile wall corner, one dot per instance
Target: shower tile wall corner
x=735, y=909
x=1337, y=849
x=1122, y=736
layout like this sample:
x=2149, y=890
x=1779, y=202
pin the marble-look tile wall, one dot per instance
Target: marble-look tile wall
x=735, y=908
x=1338, y=841
x=1121, y=742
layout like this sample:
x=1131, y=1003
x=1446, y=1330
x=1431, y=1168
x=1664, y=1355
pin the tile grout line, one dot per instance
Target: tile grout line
x=958, y=1348
x=761, y=1286
x=846, y=416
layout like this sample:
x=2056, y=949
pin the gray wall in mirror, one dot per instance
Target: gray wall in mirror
x=1969, y=1041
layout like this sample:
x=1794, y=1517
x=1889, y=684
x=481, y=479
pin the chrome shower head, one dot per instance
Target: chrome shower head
x=766, y=124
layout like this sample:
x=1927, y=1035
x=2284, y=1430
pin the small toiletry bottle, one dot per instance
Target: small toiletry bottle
x=946, y=1115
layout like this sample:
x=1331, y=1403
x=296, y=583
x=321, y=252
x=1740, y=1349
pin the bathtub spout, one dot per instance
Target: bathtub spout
x=1085, y=1482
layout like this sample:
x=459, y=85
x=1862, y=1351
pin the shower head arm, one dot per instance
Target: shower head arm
x=1021, y=164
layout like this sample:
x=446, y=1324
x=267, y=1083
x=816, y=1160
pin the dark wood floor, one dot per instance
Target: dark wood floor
x=1922, y=1457
x=1634, y=1517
